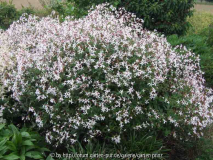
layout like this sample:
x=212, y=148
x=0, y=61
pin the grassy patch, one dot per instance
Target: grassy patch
x=200, y=21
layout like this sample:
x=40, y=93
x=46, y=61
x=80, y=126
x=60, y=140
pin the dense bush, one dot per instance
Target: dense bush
x=168, y=17
x=198, y=40
x=199, y=44
x=65, y=8
x=101, y=77
x=8, y=14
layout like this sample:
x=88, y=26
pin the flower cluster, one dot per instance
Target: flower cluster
x=1, y=116
x=101, y=76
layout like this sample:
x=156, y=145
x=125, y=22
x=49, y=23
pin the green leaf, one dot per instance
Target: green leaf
x=22, y=157
x=2, y=126
x=25, y=134
x=23, y=151
x=11, y=146
x=3, y=150
x=29, y=148
x=17, y=139
x=2, y=142
x=11, y=156
x=7, y=133
x=44, y=149
x=49, y=158
x=13, y=129
x=33, y=140
x=27, y=143
x=34, y=154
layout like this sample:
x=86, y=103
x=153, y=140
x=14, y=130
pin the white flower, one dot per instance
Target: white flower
x=78, y=77
x=116, y=139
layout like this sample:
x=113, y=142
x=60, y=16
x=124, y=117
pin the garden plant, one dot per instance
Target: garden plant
x=101, y=76
x=15, y=144
x=104, y=79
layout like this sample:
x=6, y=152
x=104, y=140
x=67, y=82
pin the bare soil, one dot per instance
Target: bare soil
x=26, y=3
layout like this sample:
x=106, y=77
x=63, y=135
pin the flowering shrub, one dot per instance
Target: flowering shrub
x=101, y=76
x=2, y=121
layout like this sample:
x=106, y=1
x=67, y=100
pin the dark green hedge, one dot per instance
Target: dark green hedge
x=166, y=16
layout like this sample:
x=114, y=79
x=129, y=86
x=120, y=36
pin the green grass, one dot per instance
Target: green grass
x=199, y=21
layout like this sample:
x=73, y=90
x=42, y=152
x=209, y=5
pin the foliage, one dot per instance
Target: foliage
x=8, y=14
x=65, y=8
x=210, y=35
x=198, y=39
x=28, y=10
x=134, y=143
x=199, y=45
x=168, y=17
x=204, y=145
x=101, y=77
x=23, y=144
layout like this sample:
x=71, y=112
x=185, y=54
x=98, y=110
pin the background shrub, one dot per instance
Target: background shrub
x=210, y=35
x=168, y=17
x=199, y=44
x=65, y=8
x=198, y=39
x=8, y=14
